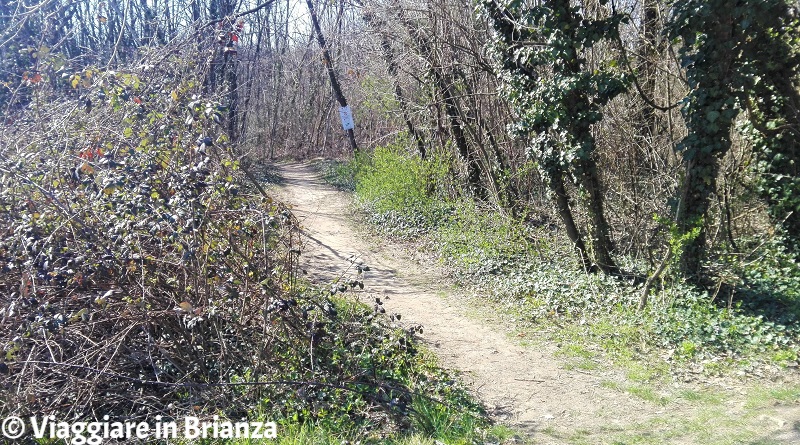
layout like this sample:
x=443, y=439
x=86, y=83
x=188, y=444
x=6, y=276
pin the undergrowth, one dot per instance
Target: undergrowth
x=397, y=395
x=530, y=271
x=142, y=274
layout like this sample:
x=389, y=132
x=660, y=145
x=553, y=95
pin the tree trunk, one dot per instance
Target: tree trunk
x=599, y=235
x=650, y=49
x=388, y=55
x=231, y=65
x=444, y=87
x=707, y=141
x=586, y=165
x=474, y=182
x=698, y=184
x=556, y=183
x=782, y=184
x=326, y=57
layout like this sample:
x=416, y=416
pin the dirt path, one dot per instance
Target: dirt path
x=524, y=387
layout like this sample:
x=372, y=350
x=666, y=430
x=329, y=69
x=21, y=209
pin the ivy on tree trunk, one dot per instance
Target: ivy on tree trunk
x=557, y=100
x=735, y=53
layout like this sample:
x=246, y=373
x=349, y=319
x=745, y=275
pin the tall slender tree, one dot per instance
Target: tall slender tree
x=326, y=58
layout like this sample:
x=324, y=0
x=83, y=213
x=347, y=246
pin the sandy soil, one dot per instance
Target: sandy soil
x=524, y=387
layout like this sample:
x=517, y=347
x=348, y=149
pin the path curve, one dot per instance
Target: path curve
x=526, y=388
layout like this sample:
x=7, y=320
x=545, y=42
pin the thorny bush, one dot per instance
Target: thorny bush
x=139, y=276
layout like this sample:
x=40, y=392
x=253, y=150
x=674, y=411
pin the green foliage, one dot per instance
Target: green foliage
x=130, y=251
x=437, y=420
x=679, y=239
x=358, y=368
x=596, y=310
x=362, y=380
x=718, y=64
x=774, y=113
x=342, y=174
x=459, y=420
x=406, y=196
x=760, y=325
x=366, y=378
x=557, y=98
x=380, y=99
x=554, y=96
x=402, y=192
x=747, y=63
x=698, y=328
x=139, y=270
x=771, y=285
x=533, y=275
x=394, y=180
x=479, y=241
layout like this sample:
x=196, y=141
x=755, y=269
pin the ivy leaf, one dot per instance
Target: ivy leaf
x=745, y=23
x=712, y=116
x=109, y=189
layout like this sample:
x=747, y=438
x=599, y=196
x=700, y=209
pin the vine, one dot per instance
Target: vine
x=733, y=53
x=557, y=99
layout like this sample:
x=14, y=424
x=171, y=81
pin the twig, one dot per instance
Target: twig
x=238, y=14
x=652, y=278
x=230, y=384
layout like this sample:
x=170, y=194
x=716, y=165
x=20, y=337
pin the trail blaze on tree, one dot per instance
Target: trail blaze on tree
x=136, y=231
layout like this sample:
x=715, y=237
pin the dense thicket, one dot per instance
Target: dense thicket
x=143, y=269
x=660, y=133
x=656, y=129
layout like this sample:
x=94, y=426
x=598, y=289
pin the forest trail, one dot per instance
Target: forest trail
x=525, y=387
x=522, y=387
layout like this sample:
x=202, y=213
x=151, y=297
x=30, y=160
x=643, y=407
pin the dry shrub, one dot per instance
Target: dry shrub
x=133, y=266
x=140, y=276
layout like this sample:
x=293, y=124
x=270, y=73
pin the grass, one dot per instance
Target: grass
x=439, y=409
x=294, y=434
x=531, y=275
x=706, y=397
x=764, y=396
x=709, y=416
x=305, y=434
x=642, y=391
x=578, y=356
x=708, y=425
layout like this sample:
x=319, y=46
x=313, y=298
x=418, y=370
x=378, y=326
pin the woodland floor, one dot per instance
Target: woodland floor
x=522, y=382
